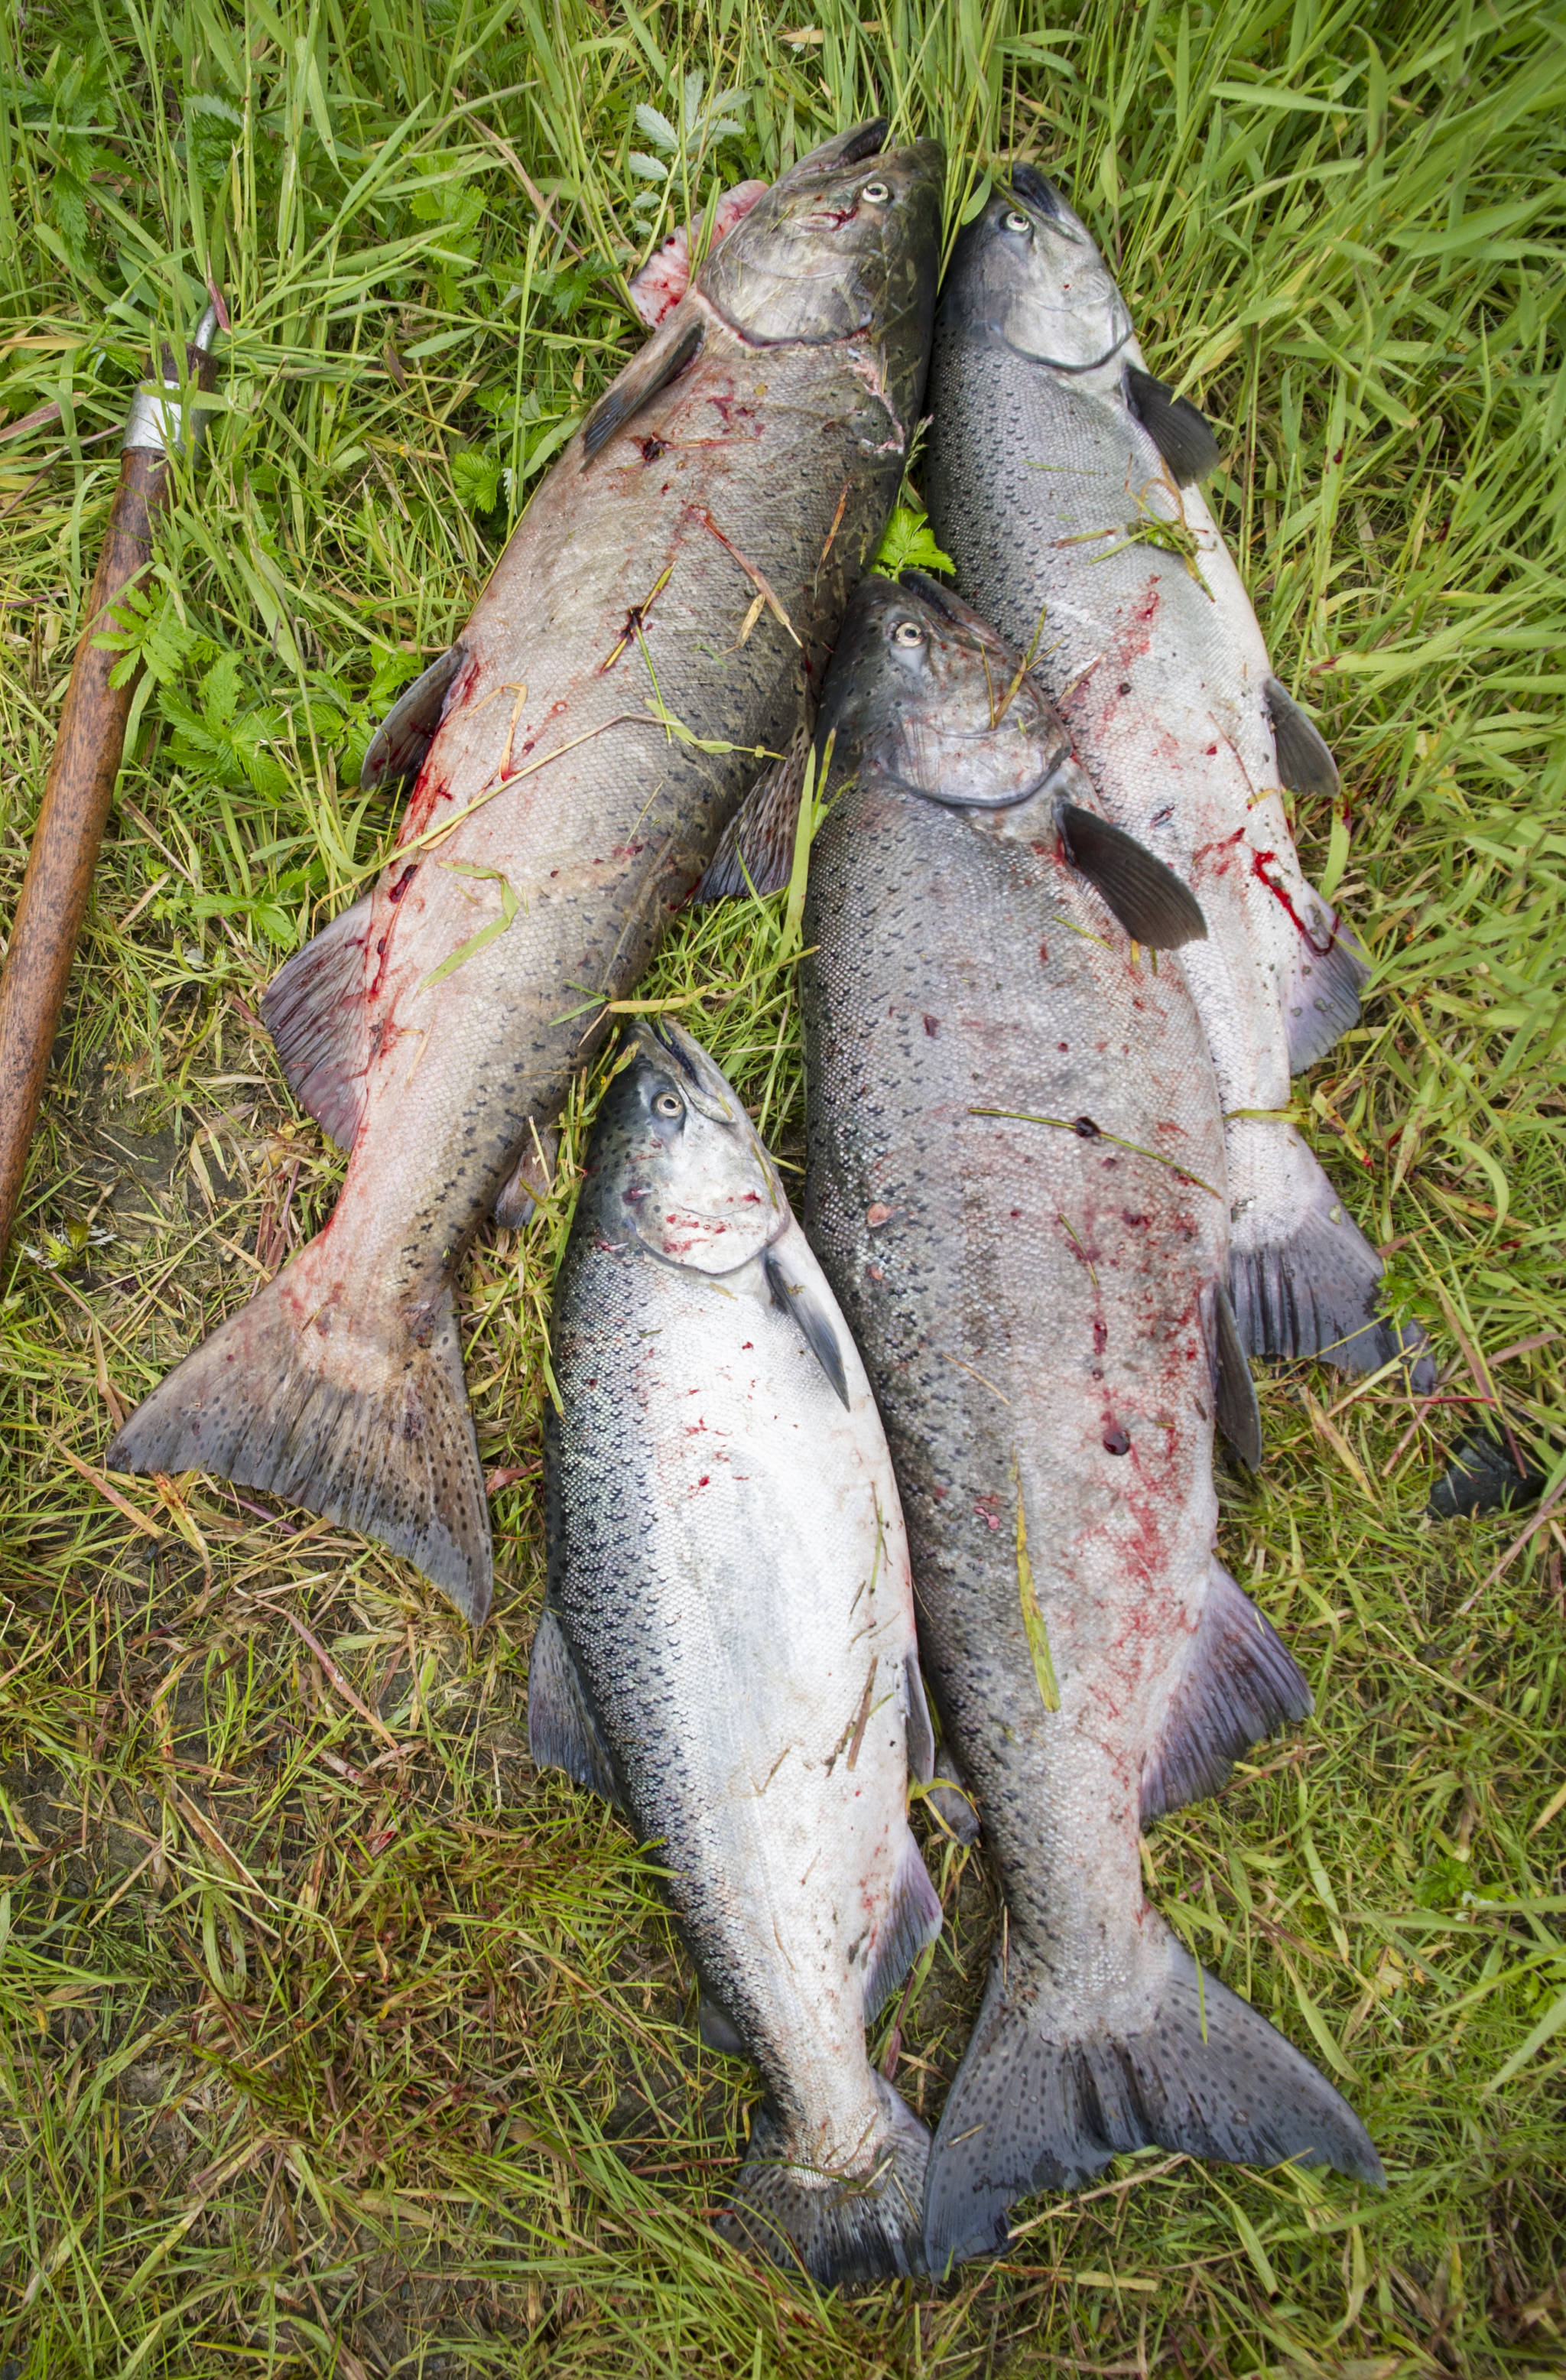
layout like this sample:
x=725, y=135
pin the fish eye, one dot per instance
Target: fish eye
x=668, y=1103
x=1015, y=221
x=907, y=633
x=878, y=193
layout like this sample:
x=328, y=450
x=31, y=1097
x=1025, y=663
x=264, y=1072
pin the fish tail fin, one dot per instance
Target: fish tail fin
x=366, y=1421
x=845, y=2231
x=1303, y=1278
x=1199, y=2071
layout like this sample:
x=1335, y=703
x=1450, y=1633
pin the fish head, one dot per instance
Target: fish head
x=677, y=1164
x=1026, y=276
x=929, y=700
x=845, y=243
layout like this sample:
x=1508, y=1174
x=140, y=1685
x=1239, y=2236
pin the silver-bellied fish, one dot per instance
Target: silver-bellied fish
x=1016, y=1188
x=727, y=1644
x=1062, y=480
x=665, y=608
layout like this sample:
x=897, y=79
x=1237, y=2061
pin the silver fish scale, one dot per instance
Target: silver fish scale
x=1022, y=1294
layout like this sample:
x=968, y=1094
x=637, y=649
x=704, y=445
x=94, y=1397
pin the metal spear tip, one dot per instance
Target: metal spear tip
x=160, y=417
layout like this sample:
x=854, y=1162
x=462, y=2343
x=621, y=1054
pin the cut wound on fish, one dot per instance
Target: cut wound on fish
x=1180, y=431
x=643, y=379
x=399, y=745
x=1304, y=761
x=663, y=281
x=1148, y=898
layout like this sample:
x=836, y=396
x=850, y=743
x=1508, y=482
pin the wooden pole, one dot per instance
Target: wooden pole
x=58, y=881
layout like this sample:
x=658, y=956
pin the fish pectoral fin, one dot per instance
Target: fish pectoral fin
x=907, y=1923
x=398, y=745
x=755, y=849
x=1149, y=900
x=1239, y=1415
x=562, y=1732
x=921, y=1735
x=717, y=2027
x=1180, y=431
x=530, y=1180
x=1238, y=1682
x=815, y=1327
x=644, y=377
x=951, y=1797
x=314, y=1010
x=1304, y=761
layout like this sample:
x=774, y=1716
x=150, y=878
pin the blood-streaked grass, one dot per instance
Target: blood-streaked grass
x=353, y=2045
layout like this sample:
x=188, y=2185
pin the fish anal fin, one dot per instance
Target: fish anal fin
x=1237, y=1683
x=644, y=377
x=314, y=1010
x=1151, y=903
x=907, y=1923
x=398, y=746
x=1321, y=996
x=562, y=1732
x=1304, y=761
x=359, y=1415
x=1238, y=1413
x=755, y=849
x=798, y=1301
x=1178, y=428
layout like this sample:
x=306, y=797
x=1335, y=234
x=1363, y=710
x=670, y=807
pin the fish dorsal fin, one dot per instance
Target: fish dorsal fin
x=1239, y=1415
x=530, y=1180
x=1148, y=898
x=643, y=379
x=795, y=1299
x=398, y=745
x=562, y=1732
x=1182, y=435
x=1238, y=1682
x=314, y=1010
x=1304, y=763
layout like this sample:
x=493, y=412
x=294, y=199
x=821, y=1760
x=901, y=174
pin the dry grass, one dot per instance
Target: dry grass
x=339, y=2041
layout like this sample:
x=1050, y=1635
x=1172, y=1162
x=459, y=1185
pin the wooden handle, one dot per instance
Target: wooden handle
x=71, y=828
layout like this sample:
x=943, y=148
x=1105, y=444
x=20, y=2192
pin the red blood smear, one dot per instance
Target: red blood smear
x=1260, y=860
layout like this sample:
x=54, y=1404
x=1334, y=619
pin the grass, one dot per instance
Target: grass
x=338, y=2041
